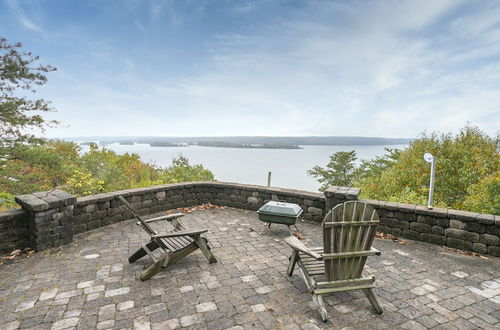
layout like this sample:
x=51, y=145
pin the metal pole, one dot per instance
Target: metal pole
x=431, y=185
x=269, y=179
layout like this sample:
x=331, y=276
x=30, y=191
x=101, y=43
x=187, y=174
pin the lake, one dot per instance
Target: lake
x=288, y=166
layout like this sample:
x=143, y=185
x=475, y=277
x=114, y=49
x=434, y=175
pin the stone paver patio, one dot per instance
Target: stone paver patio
x=89, y=284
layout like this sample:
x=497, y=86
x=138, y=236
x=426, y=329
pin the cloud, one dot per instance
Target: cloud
x=22, y=16
x=385, y=68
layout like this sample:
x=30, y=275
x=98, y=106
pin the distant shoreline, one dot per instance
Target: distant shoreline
x=245, y=142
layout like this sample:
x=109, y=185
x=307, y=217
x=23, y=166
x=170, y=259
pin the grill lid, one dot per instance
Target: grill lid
x=281, y=208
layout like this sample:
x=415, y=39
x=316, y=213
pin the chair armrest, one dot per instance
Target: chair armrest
x=168, y=217
x=298, y=245
x=181, y=233
x=340, y=255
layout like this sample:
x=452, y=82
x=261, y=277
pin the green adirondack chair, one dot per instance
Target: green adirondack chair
x=176, y=244
x=348, y=233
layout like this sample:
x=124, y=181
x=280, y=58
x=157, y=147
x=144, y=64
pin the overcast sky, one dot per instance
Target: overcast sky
x=209, y=68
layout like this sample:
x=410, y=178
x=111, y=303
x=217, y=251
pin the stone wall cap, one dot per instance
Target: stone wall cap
x=44, y=200
x=62, y=194
x=435, y=211
x=392, y=206
x=372, y=202
x=406, y=208
x=486, y=219
x=341, y=192
x=462, y=215
x=31, y=202
x=264, y=189
x=104, y=197
x=93, y=199
x=123, y=193
x=138, y=191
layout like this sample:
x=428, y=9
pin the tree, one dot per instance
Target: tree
x=340, y=170
x=467, y=175
x=18, y=113
x=182, y=171
x=467, y=165
x=484, y=196
x=118, y=171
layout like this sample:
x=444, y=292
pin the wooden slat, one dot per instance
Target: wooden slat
x=343, y=288
x=349, y=224
x=317, y=272
x=169, y=246
x=311, y=266
x=181, y=241
x=339, y=255
x=295, y=244
x=349, y=282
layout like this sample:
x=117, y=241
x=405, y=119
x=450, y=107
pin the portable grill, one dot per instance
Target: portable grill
x=280, y=213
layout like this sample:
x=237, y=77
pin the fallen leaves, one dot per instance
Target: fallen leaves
x=298, y=235
x=390, y=237
x=207, y=206
x=11, y=256
x=465, y=253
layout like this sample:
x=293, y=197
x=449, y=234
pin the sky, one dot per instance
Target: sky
x=386, y=68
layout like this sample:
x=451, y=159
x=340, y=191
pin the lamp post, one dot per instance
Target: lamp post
x=429, y=158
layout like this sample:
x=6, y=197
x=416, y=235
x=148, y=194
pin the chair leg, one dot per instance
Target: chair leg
x=293, y=261
x=141, y=253
x=202, y=244
x=154, y=268
x=320, y=304
x=373, y=300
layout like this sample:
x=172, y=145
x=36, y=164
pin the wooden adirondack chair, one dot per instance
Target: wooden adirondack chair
x=348, y=233
x=175, y=244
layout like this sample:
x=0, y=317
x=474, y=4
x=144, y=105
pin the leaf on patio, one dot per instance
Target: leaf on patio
x=390, y=237
x=207, y=206
x=465, y=253
x=298, y=235
x=18, y=252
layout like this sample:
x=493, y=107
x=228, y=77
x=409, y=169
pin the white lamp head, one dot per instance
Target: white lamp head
x=428, y=157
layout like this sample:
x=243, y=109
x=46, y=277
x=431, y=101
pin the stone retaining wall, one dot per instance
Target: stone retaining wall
x=13, y=230
x=100, y=210
x=51, y=219
x=466, y=231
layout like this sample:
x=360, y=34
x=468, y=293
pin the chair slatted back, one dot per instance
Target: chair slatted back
x=172, y=243
x=348, y=227
x=142, y=222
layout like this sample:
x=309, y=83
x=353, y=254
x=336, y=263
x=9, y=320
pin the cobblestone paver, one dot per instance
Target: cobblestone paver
x=89, y=284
